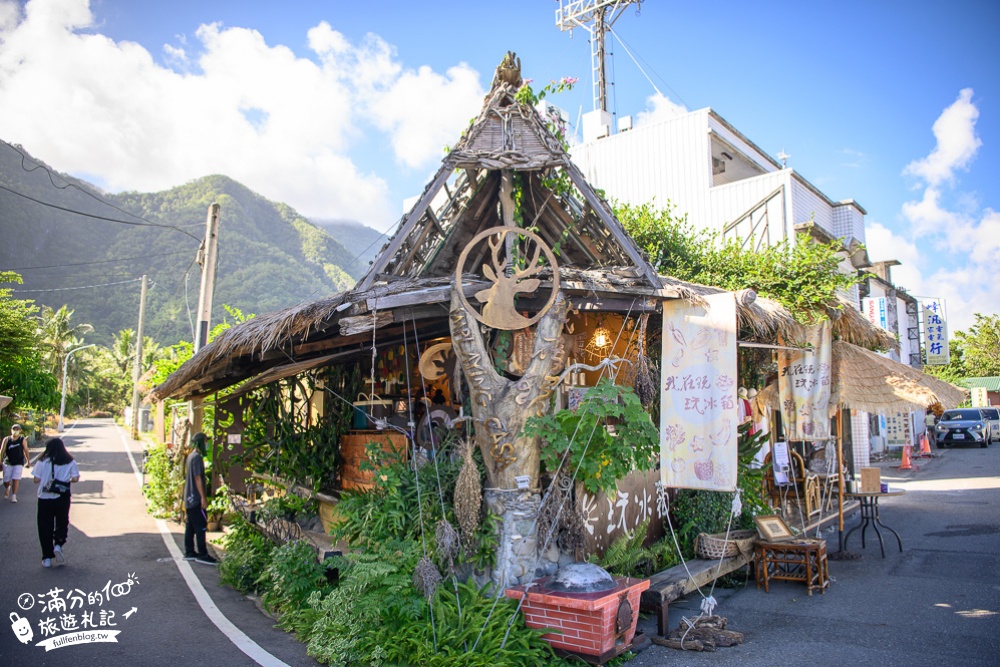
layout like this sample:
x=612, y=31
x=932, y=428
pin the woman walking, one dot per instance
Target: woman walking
x=53, y=473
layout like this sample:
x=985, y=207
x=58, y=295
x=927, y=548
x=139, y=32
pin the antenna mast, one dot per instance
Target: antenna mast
x=603, y=14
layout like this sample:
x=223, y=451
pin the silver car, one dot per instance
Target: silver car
x=962, y=426
x=992, y=417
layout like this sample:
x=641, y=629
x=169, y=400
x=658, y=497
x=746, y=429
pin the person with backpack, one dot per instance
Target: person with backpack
x=15, y=457
x=53, y=473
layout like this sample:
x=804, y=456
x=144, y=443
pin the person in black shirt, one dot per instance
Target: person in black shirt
x=15, y=457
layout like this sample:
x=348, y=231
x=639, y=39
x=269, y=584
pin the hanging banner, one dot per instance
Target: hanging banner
x=935, y=333
x=698, y=448
x=897, y=429
x=804, y=386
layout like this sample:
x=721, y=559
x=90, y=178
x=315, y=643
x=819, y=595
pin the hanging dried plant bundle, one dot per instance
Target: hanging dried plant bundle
x=448, y=541
x=426, y=577
x=568, y=532
x=468, y=498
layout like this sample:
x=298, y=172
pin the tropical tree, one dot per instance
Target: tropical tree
x=980, y=346
x=21, y=374
x=59, y=336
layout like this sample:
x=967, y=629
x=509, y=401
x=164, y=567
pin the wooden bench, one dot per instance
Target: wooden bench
x=675, y=582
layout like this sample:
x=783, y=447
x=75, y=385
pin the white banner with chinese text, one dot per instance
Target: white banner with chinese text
x=698, y=448
x=935, y=333
x=804, y=386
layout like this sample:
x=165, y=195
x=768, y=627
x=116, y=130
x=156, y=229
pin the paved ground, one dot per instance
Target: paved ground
x=112, y=539
x=936, y=603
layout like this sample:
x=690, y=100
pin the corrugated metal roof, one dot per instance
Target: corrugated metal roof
x=991, y=383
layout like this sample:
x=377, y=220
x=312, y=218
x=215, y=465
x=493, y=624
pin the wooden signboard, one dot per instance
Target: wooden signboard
x=871, y=480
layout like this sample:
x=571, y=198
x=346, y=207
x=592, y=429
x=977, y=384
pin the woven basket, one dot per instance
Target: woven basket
x=713, y=547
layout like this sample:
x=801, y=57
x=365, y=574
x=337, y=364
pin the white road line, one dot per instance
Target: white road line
x=251, y=648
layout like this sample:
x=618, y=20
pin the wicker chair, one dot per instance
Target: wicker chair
x=803, y=487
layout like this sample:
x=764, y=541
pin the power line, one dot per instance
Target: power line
x=63, y=289
x=69, y=184
x=98, y=217
x=105, y=261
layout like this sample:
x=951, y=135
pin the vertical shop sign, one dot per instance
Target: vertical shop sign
x=874, y=311
x=935, y=333
x=804, y=386
x=698, y=448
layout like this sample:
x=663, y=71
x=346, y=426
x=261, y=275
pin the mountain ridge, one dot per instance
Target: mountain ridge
x=270, y=256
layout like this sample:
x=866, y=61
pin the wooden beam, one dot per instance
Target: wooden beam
x=612, y=224
x=397, y=241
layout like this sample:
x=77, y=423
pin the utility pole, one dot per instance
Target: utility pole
x=603, y=13
x=137, y=363
x=208, y=262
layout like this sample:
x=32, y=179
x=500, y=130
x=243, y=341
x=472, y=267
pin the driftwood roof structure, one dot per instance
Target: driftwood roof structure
x=407, y=290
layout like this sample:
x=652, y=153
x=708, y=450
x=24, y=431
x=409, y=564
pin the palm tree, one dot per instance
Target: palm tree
x=59, y=336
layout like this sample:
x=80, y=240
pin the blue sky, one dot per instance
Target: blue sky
x=342, y=109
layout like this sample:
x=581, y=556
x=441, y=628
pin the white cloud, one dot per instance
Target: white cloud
x=659, y=107
x=957, y=143
x=227, y=103
x=968, y=288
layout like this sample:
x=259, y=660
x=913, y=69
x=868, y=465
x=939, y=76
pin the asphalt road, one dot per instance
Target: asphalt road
x=936, y=604
x=113, y=540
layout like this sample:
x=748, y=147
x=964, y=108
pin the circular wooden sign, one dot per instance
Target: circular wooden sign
x=499, y=311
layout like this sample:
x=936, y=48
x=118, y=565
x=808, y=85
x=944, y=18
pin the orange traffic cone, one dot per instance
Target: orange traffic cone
x=906, y=464
x=925, y=447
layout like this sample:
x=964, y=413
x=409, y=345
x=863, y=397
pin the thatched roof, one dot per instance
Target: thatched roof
x=866, y=381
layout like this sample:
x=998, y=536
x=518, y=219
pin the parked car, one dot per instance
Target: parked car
x=961, y=426
x=992, y=417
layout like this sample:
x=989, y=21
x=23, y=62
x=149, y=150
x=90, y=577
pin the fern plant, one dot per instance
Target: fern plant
x=291, y=576
x=627, y=557
x=247, y=555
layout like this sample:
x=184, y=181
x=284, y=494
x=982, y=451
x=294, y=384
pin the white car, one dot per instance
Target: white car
x=962, y=426
x=992, y=417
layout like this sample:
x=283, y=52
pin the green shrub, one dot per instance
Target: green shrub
x=482, y=622
x=291, y=575
x=164, y=483
x=375, y=596
x=247, y=556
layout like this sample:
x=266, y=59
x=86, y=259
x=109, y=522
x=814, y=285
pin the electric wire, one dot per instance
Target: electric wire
x=63, y=289
x=69, y=184
x=103, y=261
x=636, y=61
x=98, y=217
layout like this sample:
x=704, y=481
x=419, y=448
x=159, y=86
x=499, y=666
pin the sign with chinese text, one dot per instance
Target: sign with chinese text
x=874, y=311
x=935, y=333
x=804, y=386
x=698, y=395
x=897, y=429
x=980, y=397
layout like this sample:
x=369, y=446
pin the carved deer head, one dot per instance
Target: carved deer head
x=499, y=299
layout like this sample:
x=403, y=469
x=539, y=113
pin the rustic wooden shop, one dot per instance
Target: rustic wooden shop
x=505, y=292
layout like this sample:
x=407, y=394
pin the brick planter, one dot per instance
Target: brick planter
x=588, y=624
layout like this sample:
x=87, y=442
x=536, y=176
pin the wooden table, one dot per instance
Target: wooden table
x=870, y=517
x=797, y=559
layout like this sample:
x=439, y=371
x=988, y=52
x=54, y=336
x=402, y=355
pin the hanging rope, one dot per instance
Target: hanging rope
x=434, y=456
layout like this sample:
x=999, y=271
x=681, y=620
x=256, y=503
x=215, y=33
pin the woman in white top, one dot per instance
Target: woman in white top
x=53, y=473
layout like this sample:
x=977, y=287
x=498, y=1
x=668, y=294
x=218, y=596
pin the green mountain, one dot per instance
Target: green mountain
x=270, y=257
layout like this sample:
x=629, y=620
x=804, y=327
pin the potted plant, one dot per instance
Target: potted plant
x=218, y=505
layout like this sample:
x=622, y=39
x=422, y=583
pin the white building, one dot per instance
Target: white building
x=710, y=171
x=714, y=174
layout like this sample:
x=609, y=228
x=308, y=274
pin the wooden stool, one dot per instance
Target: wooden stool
x=801, y=559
